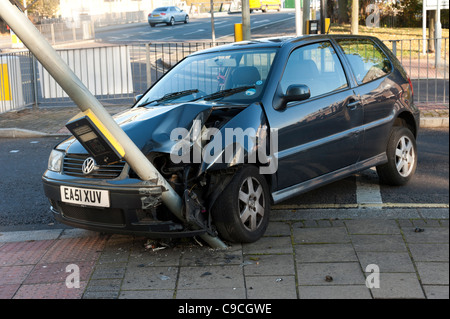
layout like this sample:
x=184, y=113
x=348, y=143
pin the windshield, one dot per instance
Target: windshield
x=232, y=77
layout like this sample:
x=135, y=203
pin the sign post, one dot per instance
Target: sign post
x=437, y=5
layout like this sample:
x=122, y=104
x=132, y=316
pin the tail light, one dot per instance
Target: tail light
x=411, y=86
x=163, y=13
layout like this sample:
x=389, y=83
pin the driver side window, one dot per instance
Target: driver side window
x=317, y=66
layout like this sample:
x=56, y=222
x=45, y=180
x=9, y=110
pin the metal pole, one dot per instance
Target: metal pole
x=76, y=90
x=306, y=14
x=355, y=9
x=438, y=37
x=246, y=33
x=213, y=31
x=298, y=18
x=424, y=29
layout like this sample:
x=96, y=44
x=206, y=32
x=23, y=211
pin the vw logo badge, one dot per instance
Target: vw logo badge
x=88, y=166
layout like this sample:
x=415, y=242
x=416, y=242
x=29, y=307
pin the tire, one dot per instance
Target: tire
x=171, y=22
x=402, y=158
x=186, y=19
x=152, y=25
x=241, y=213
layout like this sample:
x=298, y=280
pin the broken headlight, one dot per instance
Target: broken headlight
x=55, y=161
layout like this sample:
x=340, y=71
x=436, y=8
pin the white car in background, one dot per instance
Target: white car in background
x=168, y=15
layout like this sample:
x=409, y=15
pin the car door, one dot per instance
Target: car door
x=378, y=93
x=318, y=136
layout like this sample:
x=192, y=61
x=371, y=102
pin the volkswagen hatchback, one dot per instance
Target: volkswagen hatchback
x=237, y=128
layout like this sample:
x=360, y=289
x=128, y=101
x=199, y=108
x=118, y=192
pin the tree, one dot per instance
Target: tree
x=343, y=11
x=44, y=8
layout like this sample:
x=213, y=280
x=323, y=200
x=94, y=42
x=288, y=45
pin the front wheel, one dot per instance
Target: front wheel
x=186, y=19
x=402, y=158
x=241, y=213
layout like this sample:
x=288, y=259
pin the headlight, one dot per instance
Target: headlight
x=55, y=161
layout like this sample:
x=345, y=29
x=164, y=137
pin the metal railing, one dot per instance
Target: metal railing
x=429, y=72
x=67, y=32
x=116, y=74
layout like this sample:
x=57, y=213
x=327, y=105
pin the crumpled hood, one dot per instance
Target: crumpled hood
x=150, y=128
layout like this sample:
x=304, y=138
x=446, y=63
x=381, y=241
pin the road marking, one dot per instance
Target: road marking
x=350, y=206
x=259, y=26
x=261, y=21
x=199, y=30
x=368, y=188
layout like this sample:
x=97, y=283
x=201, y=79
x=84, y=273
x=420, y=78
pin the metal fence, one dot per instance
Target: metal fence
x=116, y=74
x=429, y=71
x=67, y=32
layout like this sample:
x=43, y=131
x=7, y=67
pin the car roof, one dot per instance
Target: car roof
x=276, y=42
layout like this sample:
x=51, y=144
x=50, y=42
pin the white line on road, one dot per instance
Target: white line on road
x=199, y=30
x=368, y=188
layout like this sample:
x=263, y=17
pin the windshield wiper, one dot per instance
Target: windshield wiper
x=171, y=96
x=225, y=93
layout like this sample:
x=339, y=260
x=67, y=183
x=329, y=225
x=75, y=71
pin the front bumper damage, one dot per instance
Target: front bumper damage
x=135, y=208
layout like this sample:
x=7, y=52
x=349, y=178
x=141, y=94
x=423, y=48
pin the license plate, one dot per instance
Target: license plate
x=85, y=196
x=156, y=15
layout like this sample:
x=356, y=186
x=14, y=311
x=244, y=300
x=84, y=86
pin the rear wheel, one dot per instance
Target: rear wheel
x=241, y=213
x=171, y=22
x=402, y=158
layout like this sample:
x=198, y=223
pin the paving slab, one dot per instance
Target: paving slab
x=398, y=286
x=315, y=274
x=433, y=273
x=335, y=235
x=334, y=292
x=325, y=253
x=372, y=227
x=388, y=262
x=378, y=243
x=271, y=287
x=269, y=265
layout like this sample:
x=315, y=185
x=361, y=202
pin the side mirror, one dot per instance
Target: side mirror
x=295, y=92
x=138, y=97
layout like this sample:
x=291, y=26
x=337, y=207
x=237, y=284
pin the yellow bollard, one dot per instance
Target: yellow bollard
x=327, y=25
x=238, y=36
x=5, y=93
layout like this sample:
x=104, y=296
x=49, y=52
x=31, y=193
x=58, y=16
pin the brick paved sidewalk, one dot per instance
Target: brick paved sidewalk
x=305, y=259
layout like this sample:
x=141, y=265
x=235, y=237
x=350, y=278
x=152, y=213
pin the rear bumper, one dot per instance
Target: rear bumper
x=158, y=20
x=134, y=209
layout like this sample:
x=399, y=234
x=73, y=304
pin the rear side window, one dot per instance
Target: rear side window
x=366, y=59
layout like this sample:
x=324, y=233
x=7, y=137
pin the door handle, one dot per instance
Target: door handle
x=354, y=104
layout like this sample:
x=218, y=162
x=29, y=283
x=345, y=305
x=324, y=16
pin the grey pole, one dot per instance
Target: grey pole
x=84, y=99
x=246, y=32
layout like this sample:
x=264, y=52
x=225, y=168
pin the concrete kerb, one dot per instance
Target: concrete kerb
x=23, y=133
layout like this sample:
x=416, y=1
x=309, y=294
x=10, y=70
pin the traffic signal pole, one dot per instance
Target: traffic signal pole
x=84, y=99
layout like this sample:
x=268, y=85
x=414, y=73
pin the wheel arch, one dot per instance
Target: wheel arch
x=407, y=119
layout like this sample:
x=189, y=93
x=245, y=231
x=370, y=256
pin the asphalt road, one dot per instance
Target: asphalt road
x=23, y=205
x=198, y=29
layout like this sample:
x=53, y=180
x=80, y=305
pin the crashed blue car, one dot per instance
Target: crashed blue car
x=237, y=128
